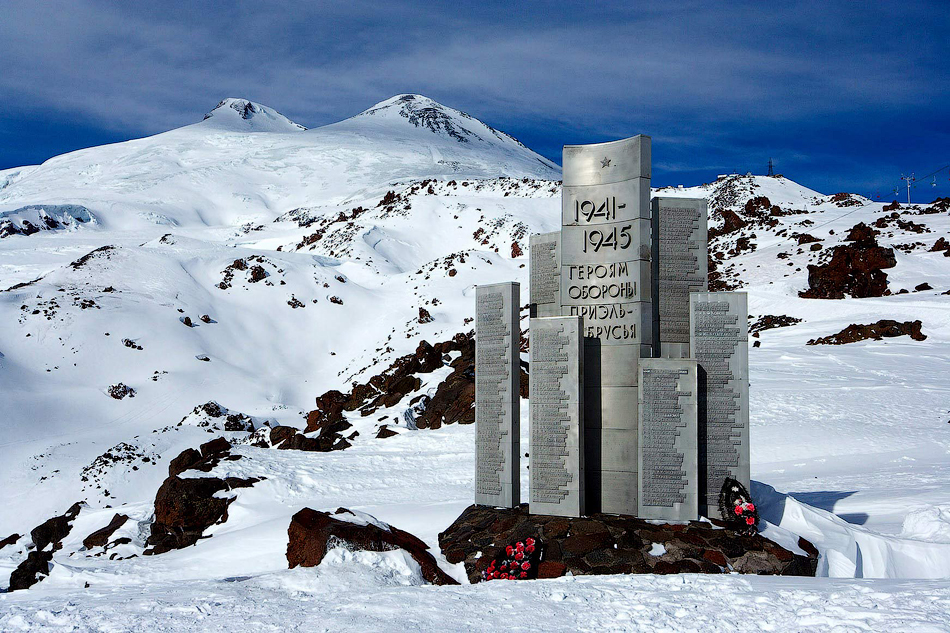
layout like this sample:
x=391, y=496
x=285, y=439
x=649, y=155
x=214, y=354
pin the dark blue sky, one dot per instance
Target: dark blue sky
x=842, y=95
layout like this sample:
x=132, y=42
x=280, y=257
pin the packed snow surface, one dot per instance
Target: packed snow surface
x=311, y=253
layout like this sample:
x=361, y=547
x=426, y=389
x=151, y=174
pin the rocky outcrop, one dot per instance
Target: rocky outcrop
x=185, y=508
x=855, y=269
x=453, y=402
x=610, y=544
x=885, y=328
x=100, y=537
x=10, y=540
x=772, y=321
x=49, y=534
x=31, y=571
x=54, y=530
x=311, y=532
x=289, y=438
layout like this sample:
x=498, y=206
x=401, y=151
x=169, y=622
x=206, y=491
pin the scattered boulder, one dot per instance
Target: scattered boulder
x=453, y=401
x=289, y=438
x=31, y=571
x=187, y=321
x=384, y=432
x=940, y=245
x=36, y=566
x=885, y=328
x=10, y=540
x=424, y=316
x=185, y=508
x=771, y=321
x=100, y=537
x=922, y=287
x=311, y=532
x=54, y=530
x=121, y=390
x=206, y=319
x=855, y=269
x=610, y=544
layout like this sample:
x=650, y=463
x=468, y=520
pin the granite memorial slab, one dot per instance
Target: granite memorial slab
x=719, y=331
x=545, y=274
x=680, y=264
x=668, y=450
x=497, y=395
x=605, y=278
x=556, y=417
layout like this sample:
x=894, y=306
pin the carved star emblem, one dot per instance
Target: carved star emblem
x=605, y=162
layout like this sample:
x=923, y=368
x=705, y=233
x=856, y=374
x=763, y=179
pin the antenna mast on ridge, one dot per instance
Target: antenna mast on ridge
x=771, y=171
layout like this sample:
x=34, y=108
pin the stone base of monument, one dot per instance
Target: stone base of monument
x=612, y=544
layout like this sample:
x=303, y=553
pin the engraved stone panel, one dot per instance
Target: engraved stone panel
x=668, y=456
x=556, y=417
x=605, y=278
x=680, y=263
x=497, y=396
x=719, y=331
x=545, y=274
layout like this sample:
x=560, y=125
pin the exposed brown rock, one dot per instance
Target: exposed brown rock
x=610, y=544
x=453, y=401
x=310, y=531
x=424, y=316
x=384, y=432
x=99, y=538
x=771, y=321
x=516, y=250
x=185, y=460
x=854, y=269
x=940, y=245
x=54, y=530
x=185, y=508
x=10, y=540
x=34, y=569
x=885, y=328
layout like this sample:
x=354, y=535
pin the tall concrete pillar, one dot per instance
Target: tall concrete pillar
x=605, y=278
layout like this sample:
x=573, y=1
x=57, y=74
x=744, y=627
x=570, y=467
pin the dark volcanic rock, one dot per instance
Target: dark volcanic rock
x=54, y=530
x=34, y=569
x=453, y=401
x=188, y=458
x=99, y=538
x=885, y=328
x=10, y=540
x=185, y=508
x=609, y=544
x=855, y=269
x=311, y=531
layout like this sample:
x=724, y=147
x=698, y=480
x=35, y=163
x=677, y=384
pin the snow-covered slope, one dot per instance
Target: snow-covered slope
x=247, y=163
x=318, y=257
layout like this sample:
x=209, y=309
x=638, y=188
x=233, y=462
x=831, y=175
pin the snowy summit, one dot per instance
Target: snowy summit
x=260, y=318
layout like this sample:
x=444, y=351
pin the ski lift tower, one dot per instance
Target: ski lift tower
x=910, y=180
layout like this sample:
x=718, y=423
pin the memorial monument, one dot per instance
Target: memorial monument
x=668, y=460
x=638, y=376
x=719, y=341
x=605, y=278
x=680, y=266
x=497, y=395
x=556, y=415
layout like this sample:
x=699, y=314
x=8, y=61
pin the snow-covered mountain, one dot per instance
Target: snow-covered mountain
x=247, y=262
